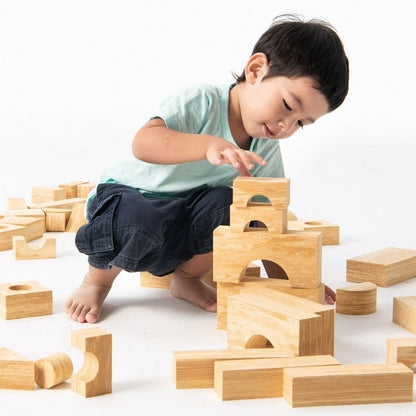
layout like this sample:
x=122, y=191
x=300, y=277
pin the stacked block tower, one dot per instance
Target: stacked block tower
x=296, y=254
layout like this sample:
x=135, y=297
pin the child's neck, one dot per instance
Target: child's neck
x=235, y=122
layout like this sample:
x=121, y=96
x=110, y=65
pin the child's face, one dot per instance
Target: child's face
x=274, y=108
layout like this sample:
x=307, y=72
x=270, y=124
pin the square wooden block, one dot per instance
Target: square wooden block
x=24, y=300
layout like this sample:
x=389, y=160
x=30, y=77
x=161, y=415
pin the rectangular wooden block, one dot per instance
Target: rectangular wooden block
x=195, y=369
x=71, y=188
x=24, y=300
x=16, y=203
x=36, y=213
x=55, y=221
x=384, y=267
x=225, y=289
x=259, y=379
x=85, y=188
x=404, y=312
x=47, y=194
x=64, y=203
x=16, y=372
x=347, y=384
x=276, y=190
x=299, y=253
x=266, y=317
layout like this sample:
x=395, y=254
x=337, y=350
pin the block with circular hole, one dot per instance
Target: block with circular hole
x=330, y=231
x=24, y=300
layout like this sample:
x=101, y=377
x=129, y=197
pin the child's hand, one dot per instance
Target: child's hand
x=242, y=160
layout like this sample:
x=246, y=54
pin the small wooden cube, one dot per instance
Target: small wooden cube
x=24, y=300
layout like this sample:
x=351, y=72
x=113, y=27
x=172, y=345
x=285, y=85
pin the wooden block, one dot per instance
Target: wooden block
x=274, y=219
x=95, y=376
x=163, y=282
x=384, y=267
x=347, y=384
x=55, y=221
x=259, y=379
x=30, y=228
x=42, y=194
x=34, y=213
x=269, y=317
x=276, y=190
x=45, y=249
x=402, y=350
x=157, y=282
x=66, y=211
x=358, y=299
x=85, y=188
x=53, y=370
x=225, y=289
x=71, y=188
x=404, y=312
x=330, y=232
x=24, y=299
x=77, y=218
x=299, y=253
x=16, y=203
x=7, y=231
x=64, y=203
x=16, y=372
x=195, y=369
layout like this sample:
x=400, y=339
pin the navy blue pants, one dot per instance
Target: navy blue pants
x=138, y=233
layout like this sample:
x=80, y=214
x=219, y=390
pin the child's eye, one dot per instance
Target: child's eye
x=287, y=105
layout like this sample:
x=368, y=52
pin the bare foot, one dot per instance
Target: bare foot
x=85, y=303
x=194, y=290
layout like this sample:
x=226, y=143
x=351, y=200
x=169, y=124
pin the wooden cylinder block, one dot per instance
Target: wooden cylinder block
x=359, y=299
x=53, y=370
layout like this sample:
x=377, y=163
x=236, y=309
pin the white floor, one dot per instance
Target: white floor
x=76, y=85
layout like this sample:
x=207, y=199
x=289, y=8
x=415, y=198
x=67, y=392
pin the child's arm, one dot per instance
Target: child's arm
x=155, y=143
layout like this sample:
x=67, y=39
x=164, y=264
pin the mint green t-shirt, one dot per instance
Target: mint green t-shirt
x=202, y=110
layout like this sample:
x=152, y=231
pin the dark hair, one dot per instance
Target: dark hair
x=296, y=48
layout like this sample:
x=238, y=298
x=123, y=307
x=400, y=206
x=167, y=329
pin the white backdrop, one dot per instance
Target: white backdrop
x=78, y=78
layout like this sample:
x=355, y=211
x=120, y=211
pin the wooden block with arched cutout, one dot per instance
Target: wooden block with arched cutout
x=271, y=318
x=95, y=376
x=299, y=253
x=225, y=289
x=276, y=190
x=272, y=218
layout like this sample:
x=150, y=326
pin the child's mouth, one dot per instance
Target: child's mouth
x=268, y=132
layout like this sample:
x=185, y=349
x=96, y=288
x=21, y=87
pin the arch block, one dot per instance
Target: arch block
x=299, y=253
x=95, y=377
x=276, y=190
x=285, y=321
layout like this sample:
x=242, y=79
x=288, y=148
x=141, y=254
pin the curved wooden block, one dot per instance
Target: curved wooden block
x=95, y=376
x=53, y=370
x=359, y=299
x=45, y=249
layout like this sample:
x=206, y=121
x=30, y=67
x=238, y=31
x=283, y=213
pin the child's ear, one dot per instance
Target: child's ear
x=257, y=67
